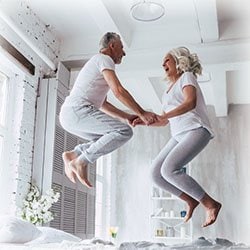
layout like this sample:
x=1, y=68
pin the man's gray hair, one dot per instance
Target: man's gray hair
x=107, y=38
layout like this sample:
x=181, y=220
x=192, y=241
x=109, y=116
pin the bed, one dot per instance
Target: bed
x=16, y=234
x=200, y=243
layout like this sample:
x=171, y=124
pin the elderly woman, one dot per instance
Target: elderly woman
x=185, y=110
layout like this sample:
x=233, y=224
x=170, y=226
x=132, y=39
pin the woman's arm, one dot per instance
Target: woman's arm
x=188, y=104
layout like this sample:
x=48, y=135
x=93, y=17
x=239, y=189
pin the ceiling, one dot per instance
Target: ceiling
x=81, y=23
x=217, y=30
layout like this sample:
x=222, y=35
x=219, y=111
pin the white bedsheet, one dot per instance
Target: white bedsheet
x=55, y=246
x=94, y=244
x=201, y=244
x=13, y=246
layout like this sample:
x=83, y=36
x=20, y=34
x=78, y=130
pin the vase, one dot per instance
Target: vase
x=114, y=241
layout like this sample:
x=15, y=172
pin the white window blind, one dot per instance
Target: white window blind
x=3, y=104
x=3, y=100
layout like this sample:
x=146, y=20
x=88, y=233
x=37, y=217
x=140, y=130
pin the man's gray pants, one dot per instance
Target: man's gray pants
x=104, y=133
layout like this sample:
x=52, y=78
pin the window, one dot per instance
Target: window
x=103, y=192
x=5, y=119
x=99, y=199
x=3, y=110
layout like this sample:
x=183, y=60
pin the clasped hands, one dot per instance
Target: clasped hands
x=149, y=119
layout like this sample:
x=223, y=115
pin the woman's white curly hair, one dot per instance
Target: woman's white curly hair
x=185, y=61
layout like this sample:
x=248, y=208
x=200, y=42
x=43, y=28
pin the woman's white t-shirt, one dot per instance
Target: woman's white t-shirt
x=194, y=118
x=90, y=86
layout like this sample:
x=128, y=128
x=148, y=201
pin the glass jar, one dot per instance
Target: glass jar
x=170, y=232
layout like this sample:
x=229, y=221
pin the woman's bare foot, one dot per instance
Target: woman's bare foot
x=68, y=156
x=191, y=206
x=80, y=168
x=212, y=214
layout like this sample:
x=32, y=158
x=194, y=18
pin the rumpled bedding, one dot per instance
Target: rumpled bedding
x=200, y=243
x=98, y=244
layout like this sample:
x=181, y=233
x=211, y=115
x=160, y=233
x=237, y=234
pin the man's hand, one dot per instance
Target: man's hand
x=160, y=121
x=148, y=117
x=137, y=121
x=130, y=119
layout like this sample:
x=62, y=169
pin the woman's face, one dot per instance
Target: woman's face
x=169, y=66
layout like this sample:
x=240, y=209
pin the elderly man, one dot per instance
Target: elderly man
x=87, y=113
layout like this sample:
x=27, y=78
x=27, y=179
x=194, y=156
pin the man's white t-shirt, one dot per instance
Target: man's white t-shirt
x=90, y=86
x=195, y=118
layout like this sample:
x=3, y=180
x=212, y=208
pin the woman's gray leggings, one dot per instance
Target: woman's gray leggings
x=104, y=133
x=168, y=167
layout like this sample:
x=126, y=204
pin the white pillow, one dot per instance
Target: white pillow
x=15, y=230
x=52, y=235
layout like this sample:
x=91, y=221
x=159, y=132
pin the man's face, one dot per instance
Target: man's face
x=117, y=51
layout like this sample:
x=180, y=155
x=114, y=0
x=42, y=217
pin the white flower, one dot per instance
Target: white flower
x=36, y=206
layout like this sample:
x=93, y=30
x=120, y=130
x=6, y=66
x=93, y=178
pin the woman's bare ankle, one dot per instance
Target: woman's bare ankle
x=191, y=205
x=211, y=214
x=212, y=208
x=208, y=202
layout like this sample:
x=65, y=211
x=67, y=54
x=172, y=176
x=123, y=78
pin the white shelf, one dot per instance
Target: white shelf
x=167, y=218
x=164, y=198
x=164, y=204
x=172, y=238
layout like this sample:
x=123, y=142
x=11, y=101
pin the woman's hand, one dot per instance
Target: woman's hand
x=161, y=120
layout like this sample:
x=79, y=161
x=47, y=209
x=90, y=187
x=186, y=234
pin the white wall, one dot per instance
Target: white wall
x=223, y=170
x=238, y=86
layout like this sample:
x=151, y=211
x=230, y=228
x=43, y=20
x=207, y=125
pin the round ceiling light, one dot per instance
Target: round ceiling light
x=147, y=11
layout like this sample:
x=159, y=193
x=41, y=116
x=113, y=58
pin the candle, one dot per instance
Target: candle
x=171, y=213
x=183, y=232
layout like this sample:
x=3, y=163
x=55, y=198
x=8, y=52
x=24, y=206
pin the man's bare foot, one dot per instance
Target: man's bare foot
x=68, y=156
x=212, y=214
x=80, y=168
x=191, y=206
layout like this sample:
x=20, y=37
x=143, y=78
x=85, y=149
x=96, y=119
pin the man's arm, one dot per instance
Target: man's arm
x=111, y=110
x=124, y=96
